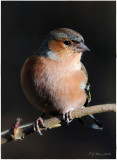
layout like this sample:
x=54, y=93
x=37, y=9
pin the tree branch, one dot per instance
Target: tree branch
x=19, y=132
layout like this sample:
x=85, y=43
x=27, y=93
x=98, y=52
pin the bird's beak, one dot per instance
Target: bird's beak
x=81, y=47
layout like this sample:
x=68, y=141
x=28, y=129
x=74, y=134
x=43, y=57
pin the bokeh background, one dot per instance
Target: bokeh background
x=24, y=26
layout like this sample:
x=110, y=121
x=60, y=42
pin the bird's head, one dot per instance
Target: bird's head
x=62, y=43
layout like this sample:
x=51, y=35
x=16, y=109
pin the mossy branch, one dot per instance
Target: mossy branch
x=19, y=132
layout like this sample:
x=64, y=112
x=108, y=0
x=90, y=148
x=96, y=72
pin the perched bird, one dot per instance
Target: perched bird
x=54, y=80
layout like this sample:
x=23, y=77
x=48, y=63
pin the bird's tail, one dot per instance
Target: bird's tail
x=91, y=122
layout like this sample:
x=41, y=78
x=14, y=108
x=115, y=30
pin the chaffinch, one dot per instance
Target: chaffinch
x=54, y=80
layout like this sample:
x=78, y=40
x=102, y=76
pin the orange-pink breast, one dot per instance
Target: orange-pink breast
x=52, y=86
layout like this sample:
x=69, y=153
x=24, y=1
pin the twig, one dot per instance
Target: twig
x=18, y=132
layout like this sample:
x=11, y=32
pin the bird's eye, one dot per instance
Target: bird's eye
x=67, y=42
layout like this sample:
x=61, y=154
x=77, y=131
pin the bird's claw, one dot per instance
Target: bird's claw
x=36, y=127
x=67, y=117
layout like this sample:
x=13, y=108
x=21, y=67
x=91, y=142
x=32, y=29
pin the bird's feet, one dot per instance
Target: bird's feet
x=67, y=117
x=37, y=123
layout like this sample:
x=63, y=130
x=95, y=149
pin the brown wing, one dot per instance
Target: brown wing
x=89, y=120
x=87, y=89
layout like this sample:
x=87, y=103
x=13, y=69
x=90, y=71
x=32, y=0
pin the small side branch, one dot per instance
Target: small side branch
x=19, y=132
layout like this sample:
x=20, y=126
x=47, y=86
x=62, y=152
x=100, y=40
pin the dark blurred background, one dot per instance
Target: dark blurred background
x=24, y=26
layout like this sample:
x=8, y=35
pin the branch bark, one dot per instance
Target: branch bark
x=19, y=132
